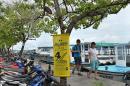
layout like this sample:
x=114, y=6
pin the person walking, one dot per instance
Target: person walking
x=76, y=53
x=92, y=54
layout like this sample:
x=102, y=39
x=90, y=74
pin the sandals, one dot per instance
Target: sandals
x=88, y=77
x=96, y=78
x=80, y=74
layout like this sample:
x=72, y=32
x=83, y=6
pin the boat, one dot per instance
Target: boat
x=105, y=51
x=45, y=54
x=120, y=71
x=111, y=52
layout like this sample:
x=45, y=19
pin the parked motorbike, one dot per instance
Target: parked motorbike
x=38, y=78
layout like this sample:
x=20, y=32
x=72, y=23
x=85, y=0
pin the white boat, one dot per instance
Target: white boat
x=106, y=52
x=120, y=71
x=43, y=51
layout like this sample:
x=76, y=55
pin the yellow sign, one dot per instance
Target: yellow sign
x=61, y=55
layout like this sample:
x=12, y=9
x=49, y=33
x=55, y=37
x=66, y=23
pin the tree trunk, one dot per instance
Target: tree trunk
x=63, y=81
x=22, y=48
x=2, y=52
x=8, y=53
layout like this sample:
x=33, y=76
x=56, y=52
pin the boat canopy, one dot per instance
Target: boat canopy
x=106, y=44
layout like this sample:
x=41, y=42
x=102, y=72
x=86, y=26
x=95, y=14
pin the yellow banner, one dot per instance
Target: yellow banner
x=61, y=51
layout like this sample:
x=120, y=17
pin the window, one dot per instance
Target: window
x=98, y=49
x=86, y=47
x=105, y=50
x=120, y=51
x=112, y=50
x=128, y=50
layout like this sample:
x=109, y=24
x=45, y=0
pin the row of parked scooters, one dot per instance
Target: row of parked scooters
x=23, y=72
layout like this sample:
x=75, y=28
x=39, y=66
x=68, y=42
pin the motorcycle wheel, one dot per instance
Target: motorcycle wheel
x=9, y=85
x=53, y=84
x=5, y=85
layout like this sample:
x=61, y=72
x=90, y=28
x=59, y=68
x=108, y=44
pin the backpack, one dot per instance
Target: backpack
x=72, y=54
x=74, y=49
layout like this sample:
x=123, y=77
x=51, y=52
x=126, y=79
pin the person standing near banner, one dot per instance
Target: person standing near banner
x=76, y=53
x=92, y=52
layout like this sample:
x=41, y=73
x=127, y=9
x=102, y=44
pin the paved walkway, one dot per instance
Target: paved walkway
x=76, y=80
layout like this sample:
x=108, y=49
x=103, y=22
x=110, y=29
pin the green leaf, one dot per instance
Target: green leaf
x=95, y=26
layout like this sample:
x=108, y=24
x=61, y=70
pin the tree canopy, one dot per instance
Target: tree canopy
x=18, y=23
x=69, y=14
x=24, y=19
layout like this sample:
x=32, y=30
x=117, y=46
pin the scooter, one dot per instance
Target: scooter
x=39, y=78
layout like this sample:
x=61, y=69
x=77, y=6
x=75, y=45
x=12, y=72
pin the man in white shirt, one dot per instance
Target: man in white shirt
x=93, y=60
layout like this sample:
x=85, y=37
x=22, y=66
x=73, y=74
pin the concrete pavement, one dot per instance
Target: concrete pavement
x=76, y=80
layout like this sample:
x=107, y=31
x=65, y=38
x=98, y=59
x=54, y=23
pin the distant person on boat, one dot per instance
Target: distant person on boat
x=76, y=53
x=92, y=54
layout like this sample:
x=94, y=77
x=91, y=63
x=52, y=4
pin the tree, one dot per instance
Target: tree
x=70, y=14
x=20, y=23
x=23, y=22
x=7, y=39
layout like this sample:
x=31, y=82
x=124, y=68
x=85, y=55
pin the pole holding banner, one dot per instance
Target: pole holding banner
x=61, y=55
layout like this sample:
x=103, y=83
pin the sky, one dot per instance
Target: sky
x=115, y=28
